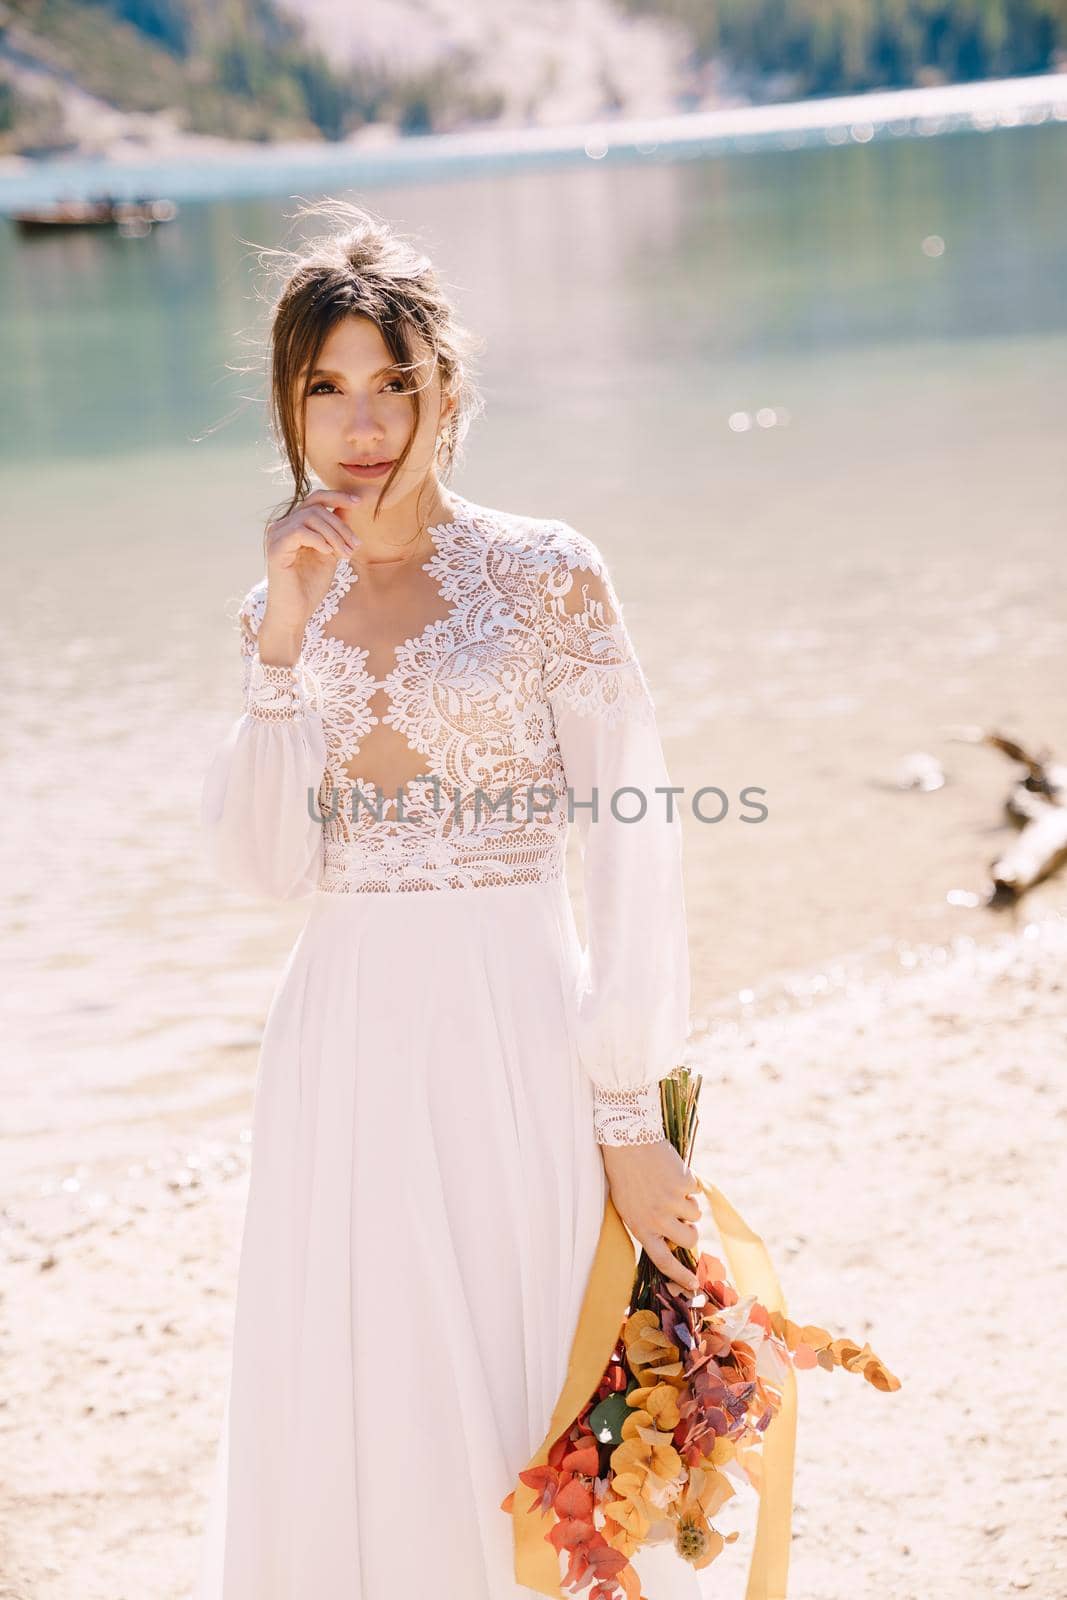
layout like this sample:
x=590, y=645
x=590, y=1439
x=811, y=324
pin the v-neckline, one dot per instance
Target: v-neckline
x=345, y=575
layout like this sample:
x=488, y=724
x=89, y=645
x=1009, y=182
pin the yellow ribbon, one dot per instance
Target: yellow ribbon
x=607, y=1297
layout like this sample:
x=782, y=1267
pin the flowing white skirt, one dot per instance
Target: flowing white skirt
x=425, y=1200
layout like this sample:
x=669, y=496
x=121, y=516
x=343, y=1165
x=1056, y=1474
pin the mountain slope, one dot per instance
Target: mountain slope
x=87, y=74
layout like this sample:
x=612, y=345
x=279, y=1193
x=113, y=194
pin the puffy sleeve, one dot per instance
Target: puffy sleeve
x=259, y=813
x=634, y=987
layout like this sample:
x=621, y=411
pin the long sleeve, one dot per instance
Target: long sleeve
x=258, y=829
x=634, y=992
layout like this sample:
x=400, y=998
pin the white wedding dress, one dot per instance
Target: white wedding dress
x=440, y=1059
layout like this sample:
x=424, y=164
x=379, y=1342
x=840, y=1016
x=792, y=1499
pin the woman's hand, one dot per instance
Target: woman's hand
x=654, y=1193
x=303, y=549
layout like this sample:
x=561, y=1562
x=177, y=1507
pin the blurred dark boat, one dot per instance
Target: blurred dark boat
x=132, y=218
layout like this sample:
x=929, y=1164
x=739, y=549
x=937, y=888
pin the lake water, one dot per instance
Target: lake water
x=809, y=403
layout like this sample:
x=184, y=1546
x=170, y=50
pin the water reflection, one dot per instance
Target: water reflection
x=822, y=454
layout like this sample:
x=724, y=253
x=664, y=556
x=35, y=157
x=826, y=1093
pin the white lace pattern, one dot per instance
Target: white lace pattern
x=628, y=1116
x=274, y=693
x=526, y=694
x=474, y=693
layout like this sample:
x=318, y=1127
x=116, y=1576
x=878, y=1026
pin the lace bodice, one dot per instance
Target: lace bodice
x=515, y=706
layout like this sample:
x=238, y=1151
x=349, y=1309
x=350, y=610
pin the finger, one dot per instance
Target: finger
x=331, y=497
x=353, y=543
x=310, y=539
x=316, y=520
x=331, y=527
x=311, y=523
x=299, y=537
x=684, y=1233
x=670, y=1266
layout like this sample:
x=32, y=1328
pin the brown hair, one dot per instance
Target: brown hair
x=362, y=267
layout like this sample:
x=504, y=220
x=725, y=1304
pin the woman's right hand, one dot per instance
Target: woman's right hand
x=303, y=549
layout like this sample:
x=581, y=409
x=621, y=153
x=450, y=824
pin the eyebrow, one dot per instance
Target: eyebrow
x=327, y=372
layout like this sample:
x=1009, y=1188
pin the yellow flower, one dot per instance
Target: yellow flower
x=631, y=1430
x=662, y=1407
x=657, y=1403
x=637, y=1324
x=634, y=1455
x=646, y=1447
x=633, y=1516
x=705, y=1491
x=652, y=1356
x=622, y=1541
x=666, y=1462
x=724, y=1449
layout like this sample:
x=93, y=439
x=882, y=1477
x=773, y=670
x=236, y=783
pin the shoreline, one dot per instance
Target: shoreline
x=893, y=1144
x=199, y=167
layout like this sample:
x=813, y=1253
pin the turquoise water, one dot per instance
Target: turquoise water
x=778, y=263
x=810, y=404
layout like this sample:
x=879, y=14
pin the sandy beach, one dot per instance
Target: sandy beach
x=900, y=1148
x=808, y=402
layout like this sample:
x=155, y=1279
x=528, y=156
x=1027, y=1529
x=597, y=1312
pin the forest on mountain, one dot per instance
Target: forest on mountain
x=278, y=69
x=840, y=46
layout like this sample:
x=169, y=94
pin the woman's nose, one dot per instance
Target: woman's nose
x=362, y=423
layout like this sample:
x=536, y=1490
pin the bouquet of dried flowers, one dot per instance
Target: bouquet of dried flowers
x=697, y=1390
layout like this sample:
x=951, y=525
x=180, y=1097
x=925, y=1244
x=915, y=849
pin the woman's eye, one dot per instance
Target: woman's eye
x=324, y=383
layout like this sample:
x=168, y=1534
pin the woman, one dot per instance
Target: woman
x=448, y=1084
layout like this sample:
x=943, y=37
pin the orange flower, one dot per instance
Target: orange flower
x=692, y=1424
x=575, y=1501
x=545, y=1480
x=864, y=1360
x=583, y=1458
x=810, y=1345
x=711, y=1275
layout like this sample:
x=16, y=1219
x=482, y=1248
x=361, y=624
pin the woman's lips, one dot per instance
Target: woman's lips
x=378, y=470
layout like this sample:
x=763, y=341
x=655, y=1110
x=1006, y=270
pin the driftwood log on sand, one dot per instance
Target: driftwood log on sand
x=1038, y=805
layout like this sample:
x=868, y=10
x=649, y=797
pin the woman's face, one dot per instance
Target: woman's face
x=357, y=409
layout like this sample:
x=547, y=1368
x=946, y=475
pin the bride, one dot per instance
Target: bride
x=450, y=1083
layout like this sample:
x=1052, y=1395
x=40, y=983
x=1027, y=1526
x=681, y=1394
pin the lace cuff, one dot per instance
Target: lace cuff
x=628, y=1116
x=274, y=694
